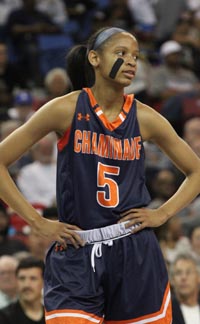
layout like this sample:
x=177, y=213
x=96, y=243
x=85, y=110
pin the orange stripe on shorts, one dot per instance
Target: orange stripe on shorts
x=68, y=316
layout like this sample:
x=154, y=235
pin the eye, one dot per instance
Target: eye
x=120, y=53
x=135, y=57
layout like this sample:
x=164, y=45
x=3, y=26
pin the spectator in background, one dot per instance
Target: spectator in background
x=119, y=15
x=37, y=180
x=163, y=186
x=55, y=9
x=191, y=130
x=6, y=6
x=11, y=77
x=170, y=77
x=166, y=26
x=172, y=239
x=143, y=13
x=23, y=106
x=194, y=236
x=28, y=309
x=8, y=245
x=185, y=280
x=23, y=27
x=196, y=146
x=85, y=14
x=181, y=108
x=8, y=283
x=56, y=84
x=6, y=128
x=187, y=33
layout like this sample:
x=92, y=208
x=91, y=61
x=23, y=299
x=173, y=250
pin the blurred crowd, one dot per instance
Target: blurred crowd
x=35, y=36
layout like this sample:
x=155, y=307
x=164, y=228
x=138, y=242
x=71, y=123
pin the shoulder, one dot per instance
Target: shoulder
x=176, y=311
x=149, y=120
x=7, y=312
x=69, y=100
x=57, y=114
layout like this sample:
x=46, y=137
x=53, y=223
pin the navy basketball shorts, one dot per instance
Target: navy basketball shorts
x=119, y=280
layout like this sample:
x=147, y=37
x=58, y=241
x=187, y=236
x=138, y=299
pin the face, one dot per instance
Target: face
x=124, y=46
x=30, y=284
x=185, y=278
x=195, y=145
x=165, y=184
x=173, y=59
x=192, y=130
x=8, y=282
x=58, y=86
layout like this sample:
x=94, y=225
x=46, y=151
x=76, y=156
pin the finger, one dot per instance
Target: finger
x=136, y=230
x=129, y=218
x=138, y=227
x=73, y=242
x=64, y=238
x=127, y=212
x=62, y=242
x=72, y=227
x=74, y=238
x=78, y=239
x=134, y=222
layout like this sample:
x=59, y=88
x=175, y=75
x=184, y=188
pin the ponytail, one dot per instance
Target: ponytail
x=79, y=70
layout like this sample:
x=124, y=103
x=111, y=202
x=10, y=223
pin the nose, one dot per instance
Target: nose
x=131, y=61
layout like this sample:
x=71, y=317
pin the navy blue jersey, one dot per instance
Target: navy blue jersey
x=100, y=167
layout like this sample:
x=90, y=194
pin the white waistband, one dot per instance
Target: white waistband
x=107, y=233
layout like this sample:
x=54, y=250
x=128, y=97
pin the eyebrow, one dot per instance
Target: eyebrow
x=125, y=47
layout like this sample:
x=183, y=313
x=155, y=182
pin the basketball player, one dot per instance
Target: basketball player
x=105, y=264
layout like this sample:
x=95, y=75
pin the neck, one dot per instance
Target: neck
x=108, y=97
x=188, y=300
x=34, y=309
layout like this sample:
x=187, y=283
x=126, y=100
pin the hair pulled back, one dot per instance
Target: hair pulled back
x=79, y=69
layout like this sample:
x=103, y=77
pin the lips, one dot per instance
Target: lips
x=129, y=73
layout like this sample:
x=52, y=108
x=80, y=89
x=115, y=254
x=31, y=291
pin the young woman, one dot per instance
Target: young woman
x=105, y=263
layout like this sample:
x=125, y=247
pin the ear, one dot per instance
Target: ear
x=93, y=58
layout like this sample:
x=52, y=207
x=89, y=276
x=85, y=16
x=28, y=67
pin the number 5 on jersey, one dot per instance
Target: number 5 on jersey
x=104, y=174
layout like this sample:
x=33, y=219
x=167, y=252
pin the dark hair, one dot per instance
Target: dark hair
x=30, y=262
x=79, y=69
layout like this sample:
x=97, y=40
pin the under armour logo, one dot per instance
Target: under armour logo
x=86, y=117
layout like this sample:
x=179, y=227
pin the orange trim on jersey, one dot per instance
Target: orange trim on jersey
x=71, y=316
x=63, y=141
x=118, y=121
x=163, y=316
x=128, y=102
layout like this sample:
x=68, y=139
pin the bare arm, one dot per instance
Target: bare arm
x=54, y=116
x=157, y=129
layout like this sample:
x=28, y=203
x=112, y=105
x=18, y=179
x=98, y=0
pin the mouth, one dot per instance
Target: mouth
x=129, y=74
